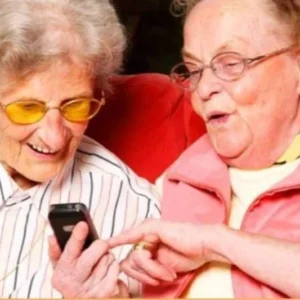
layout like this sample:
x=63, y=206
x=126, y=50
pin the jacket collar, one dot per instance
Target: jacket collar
x=201, y=167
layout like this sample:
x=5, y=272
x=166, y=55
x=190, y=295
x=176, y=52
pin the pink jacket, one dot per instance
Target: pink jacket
x=197, y=189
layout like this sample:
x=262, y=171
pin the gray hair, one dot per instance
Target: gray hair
x=287, y=12
x=36, y=33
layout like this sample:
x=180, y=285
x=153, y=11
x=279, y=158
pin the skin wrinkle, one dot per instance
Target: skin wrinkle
x=255, y=98
x=9, y=150
x=266, y=119
x=24, y=168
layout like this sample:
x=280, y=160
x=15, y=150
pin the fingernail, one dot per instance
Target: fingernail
x=170, y=277
x=173, y=275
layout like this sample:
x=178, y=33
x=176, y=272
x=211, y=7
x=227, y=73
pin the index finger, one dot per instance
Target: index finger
x=146, y=232
x=75, y=243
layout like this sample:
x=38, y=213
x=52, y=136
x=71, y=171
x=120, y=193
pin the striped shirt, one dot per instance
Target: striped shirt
x=117, y=200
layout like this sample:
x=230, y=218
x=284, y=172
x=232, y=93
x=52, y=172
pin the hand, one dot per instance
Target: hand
x=180, y=247
x=92, y=273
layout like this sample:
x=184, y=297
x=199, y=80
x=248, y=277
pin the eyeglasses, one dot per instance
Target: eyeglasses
x=30, y=111
x=228, y=66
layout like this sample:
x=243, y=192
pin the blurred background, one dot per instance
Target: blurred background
x=154, y=35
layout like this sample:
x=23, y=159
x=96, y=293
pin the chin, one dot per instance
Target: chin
x=229, y=152
x=229, y=147
x=40, y=174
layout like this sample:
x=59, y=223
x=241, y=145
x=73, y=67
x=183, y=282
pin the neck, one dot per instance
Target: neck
x=259, y=156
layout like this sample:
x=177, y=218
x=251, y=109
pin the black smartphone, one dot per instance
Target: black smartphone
x=64, y=217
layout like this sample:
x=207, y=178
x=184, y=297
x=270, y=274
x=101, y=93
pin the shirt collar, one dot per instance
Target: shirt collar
x=8, y=187
x=11, y=193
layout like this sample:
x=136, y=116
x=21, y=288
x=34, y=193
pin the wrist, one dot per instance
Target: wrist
x=217, y=236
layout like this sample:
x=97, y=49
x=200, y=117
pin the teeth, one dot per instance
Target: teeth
x=41, y=150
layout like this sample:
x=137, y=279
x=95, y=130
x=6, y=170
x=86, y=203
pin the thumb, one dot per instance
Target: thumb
x=123, y=289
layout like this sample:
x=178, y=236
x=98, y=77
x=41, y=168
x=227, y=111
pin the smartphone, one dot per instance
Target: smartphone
x=64, y=217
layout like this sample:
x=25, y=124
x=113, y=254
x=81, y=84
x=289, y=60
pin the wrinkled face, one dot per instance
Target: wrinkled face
x=252, y=120
x=38, y=152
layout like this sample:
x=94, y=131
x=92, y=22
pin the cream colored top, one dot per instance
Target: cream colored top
x=214, y=279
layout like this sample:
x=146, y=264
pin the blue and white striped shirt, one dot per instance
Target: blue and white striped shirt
x=117, y=200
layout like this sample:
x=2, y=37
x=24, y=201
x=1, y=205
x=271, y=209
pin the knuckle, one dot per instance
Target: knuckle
x=136, y=257
x=58, y=282
x=66, y=260
x=111, y=258
x=101, y=245
x=124, y=265
x=117, y=266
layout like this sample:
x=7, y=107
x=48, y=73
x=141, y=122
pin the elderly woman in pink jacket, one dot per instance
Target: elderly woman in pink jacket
x=231, y=207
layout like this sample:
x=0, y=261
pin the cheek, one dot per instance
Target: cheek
x=197, y=104
x=77, y=130
x=244, y=92
x=12, y=138
x=15, y=133
x=263, y=96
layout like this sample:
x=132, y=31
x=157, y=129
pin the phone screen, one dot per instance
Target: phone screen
x=64, y=217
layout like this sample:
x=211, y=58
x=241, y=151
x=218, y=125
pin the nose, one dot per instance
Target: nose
x=208, y=85
x=53, y=130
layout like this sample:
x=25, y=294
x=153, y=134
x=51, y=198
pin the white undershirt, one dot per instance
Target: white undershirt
x=214, y=279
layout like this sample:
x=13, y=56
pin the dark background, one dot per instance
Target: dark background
x=154, y=35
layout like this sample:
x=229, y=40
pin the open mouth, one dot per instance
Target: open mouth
x=218, y=118
x=41, y=150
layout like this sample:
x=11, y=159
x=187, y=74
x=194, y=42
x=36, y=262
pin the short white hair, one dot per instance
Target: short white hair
x=36, y=33
x=286, y=12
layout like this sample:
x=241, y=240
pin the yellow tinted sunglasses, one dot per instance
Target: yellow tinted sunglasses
x=29, y=111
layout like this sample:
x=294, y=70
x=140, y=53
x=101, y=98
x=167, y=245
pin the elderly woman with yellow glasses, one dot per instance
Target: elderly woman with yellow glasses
x=231, y=203
x=52, y=56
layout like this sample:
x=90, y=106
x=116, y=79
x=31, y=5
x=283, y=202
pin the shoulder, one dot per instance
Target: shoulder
x=93, y=157
x=97, y=161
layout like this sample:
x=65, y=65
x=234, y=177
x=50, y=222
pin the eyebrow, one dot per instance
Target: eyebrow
x=76, y=97
x=228, y=46
x=186, y=54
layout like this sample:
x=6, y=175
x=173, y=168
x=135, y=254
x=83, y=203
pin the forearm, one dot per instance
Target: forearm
x=272, y=261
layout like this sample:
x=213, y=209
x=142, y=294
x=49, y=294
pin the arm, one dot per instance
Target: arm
x=183, y=247
x=271, y=261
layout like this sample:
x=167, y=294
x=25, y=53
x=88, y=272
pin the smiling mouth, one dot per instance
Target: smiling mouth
x=41, y=150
